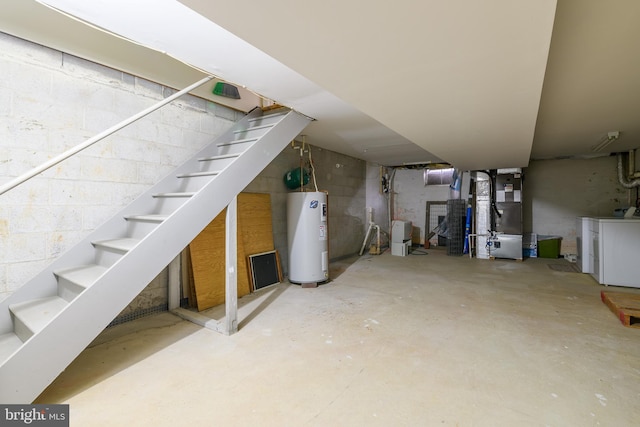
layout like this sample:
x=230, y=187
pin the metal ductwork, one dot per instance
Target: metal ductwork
x=621, y=177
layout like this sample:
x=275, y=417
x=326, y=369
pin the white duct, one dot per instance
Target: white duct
x=623, y=181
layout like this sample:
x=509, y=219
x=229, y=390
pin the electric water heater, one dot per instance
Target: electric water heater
x=308, y=237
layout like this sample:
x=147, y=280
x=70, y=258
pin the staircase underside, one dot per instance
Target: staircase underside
x=52, y=318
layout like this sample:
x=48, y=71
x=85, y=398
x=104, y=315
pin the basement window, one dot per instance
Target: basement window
x=438, y=176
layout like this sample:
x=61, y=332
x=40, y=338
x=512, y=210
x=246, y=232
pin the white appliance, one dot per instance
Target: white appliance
x=401, y=237
x=307, y=237
x=582, y=241
x=614, y=251
x=400, y=249
x=401, y=231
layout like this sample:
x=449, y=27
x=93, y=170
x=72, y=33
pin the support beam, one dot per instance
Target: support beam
x=174, y=283
x=199, y=319
x=231, y=262
x=229, y=325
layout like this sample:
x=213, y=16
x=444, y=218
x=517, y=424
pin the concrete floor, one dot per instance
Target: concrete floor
x=391, y=341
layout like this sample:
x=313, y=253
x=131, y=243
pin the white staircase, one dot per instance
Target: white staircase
x=52, y=318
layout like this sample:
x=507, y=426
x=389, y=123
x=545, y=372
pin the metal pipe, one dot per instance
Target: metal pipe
x=621, y=178
x=390, y=200
x=89, y=142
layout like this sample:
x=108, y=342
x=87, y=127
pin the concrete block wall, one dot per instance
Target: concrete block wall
x=377, y=200
x=555, y=192
x=51, y=101
x=410, y=197
x=343, y=177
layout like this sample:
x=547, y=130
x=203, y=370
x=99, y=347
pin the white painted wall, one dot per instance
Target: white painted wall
x=51, y=101
x=410, y=197
x=558, y=191
x=377, y=200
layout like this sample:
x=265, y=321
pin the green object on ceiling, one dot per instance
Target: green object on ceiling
x=227, y=90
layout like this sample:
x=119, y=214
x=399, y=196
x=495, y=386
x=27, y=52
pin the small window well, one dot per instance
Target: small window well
x=438, y=176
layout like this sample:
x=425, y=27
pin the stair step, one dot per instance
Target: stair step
x=192, y=174
x=268, y=116
x=237, y=141
x=174, y=195
x=146, y=218
x=225, y=156
x=73, y=281
x=84, y=276
x=254, y=128
x=108, y=252
x=123, y=245
x=8, y=344
x=31, y=316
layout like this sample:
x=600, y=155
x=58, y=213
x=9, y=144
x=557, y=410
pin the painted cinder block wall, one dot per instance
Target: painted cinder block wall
x=377, y=200
x=344, y=180
x=51, y=101
x=410, y=197
x=557, y=191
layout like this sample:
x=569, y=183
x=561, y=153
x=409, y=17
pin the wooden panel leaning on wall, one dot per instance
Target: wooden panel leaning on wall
x=207, y=250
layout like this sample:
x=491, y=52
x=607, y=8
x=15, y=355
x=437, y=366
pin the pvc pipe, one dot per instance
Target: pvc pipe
x=366, y=238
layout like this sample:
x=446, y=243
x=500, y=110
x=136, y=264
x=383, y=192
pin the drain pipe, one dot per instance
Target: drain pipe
x=632, y=165
x=621, y=178
x=390, y=200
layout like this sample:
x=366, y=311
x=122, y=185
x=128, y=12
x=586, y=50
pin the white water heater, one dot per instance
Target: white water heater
x=308, y=237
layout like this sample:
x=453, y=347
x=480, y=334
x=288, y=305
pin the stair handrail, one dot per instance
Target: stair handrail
x=89, y=142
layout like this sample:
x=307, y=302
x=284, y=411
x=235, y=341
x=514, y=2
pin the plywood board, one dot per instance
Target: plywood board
x=207, y=250
x=188, y=285
x=254, y=216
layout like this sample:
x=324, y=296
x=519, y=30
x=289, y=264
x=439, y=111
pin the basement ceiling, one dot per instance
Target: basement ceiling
x=477, y=84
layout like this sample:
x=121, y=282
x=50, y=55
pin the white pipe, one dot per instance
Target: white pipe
x=366, y=239
x=89, y=142
x=313, y=169
x=390, y=200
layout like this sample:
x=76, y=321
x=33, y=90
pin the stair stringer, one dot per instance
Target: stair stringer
x=45, y=284
x=40, y=359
